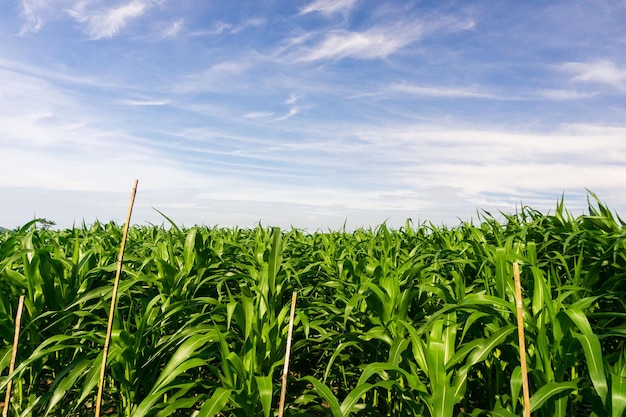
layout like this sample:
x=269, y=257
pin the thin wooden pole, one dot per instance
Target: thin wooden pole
x=16, y=338
x=120, y=260
x=522, y=343
x=283, y=390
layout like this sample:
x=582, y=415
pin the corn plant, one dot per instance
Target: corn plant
x=415, y=321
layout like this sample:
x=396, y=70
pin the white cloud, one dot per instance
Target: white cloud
x=174, y=29
x=292, y=99
x=292, y=112
x=31, y=10
x=225, y=76
x=219, y=28
x=253, y=22
x=37, y=12
x=107, y=22
x=566, y=94
x=328, y=7
x=145, y=102
x=377, y=42
x=452, y=92
x=601, y=72
x=258, y=114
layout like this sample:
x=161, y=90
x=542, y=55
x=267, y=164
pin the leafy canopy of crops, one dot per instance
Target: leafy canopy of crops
x=418, y=321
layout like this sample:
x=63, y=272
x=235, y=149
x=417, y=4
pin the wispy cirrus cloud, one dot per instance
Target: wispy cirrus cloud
x=174, y=28
x=292, y=112
x=229, y=28
x=450, y=92
x=258, y=114
x=374, y=43
x=145, y=102
x=566, y=94
x=225, y=76
x=600, y=72
x=328, y=7
x=35, y=13
x=31, y=10
x=107, y=22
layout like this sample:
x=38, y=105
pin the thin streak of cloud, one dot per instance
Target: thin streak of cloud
x=378, y=42
x=106, y=23
x=566, y=94
x=292, y=112
x=258, y=114
x=174, y=29
x=226, y=76
x=328, y=7
x=30, y=12
x=440, y=91
x=146, y=102
x=249, y=23
x=227, y=28
x=292, y=99
x=219, y=28
x=601, y=72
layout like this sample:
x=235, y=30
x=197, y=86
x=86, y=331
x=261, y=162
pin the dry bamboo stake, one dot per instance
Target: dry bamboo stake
x=18, y=320
x=283, y=390
x=114, y=299
x=522, y=343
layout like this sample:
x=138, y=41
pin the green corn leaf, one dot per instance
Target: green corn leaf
x=502, y=412
x=264, y=385
x=180, y=361
x=148, y=404
x=441, y=401
x=337, y=352
x=481, y=351
x=397, y=348
x=435, y=356
x=350, y=402
x=382, y=368
x=548, y=391
x=593, y=352
x=501, y=273
x=275, y=260
x=189, y=251
x=216, y=403
x=178, y=404
x=516, y=386
x=618, y=395
x=593, y=355
x=77, y=371
x=325, y=392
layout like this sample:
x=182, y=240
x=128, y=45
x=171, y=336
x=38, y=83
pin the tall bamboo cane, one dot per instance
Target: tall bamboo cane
x=522, y=343
x=283, y=390
x=114, y=299
x=16, y=338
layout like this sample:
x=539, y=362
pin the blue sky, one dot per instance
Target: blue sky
x=309, y=113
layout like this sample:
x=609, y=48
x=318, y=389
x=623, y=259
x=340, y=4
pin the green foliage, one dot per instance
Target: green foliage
x=415, y=321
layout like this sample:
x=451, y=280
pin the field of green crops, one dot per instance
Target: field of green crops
x=418, y=321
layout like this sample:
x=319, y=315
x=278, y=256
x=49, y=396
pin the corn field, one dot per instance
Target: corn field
x=419, y=321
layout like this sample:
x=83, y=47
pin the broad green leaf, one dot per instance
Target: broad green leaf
x=349, y=403
x=593, y=355
x=516, y=386
x=189, y=251
x=618, y=395
x=216, y=403
x=548, y=391
x=501, y=273
x=175, y=366
x=264, y=385
x=397, y=348
x=326, y=394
